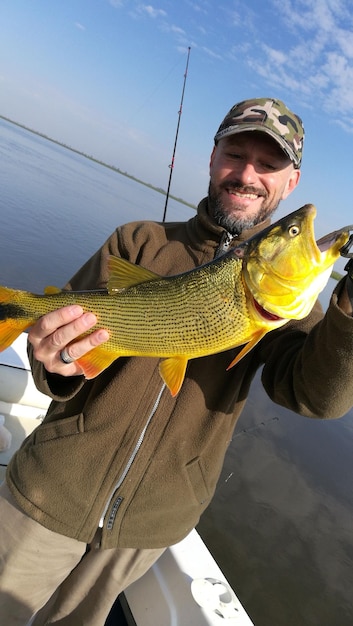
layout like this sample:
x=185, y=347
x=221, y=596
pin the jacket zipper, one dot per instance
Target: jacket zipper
x=127, y=467
x=225, y=243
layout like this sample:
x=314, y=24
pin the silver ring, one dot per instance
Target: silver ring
x=65, y=357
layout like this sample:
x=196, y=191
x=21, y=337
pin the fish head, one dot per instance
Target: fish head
x=285, y=269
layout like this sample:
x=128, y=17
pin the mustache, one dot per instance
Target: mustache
x=236, y=186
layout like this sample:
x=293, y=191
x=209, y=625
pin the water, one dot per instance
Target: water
x=280, y=525
x=58, y=207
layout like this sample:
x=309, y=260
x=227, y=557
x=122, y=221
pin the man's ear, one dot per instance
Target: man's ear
x=292, y=182
x=212, y=155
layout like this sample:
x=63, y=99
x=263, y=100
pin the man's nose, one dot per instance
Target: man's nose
x=247, y=173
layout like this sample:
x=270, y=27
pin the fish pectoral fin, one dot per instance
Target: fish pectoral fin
x=123, y=274
x=249, y=346
x=172, y=370
x=95, y=361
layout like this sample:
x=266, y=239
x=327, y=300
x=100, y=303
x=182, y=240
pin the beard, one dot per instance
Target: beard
x=235, y=224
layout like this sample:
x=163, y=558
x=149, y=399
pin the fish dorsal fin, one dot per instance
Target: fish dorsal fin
x=51, y=290
x=123, y=274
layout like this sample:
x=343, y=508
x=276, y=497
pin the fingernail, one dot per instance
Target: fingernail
x=103, y=335
x=89, y=319
x=76, y=310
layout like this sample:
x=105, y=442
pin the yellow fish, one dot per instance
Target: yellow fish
x=232, y=301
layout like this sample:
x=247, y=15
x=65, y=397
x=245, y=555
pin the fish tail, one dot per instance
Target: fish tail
x=13, y=318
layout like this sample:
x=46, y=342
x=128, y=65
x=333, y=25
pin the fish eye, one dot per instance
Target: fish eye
x=293, y=230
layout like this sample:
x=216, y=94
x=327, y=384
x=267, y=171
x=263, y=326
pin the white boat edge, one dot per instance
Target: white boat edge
x=185, y=586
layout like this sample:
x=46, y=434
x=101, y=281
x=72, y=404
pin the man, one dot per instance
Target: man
x=119, y=469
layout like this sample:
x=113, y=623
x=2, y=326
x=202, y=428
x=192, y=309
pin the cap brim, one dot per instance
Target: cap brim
x=237, y=129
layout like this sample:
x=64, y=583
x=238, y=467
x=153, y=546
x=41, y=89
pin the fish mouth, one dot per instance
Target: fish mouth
x=328, y=241
x=266, y=315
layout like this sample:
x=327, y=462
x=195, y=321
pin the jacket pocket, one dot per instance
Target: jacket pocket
x=196, y=476
x=65, y=427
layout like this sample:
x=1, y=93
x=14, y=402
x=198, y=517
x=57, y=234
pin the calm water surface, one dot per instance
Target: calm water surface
x=281, y=523
x=58, y=207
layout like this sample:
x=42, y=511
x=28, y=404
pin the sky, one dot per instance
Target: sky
x=106, y=77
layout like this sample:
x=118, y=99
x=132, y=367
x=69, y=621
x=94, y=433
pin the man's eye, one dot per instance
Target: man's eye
x=234, y=155
x=270, y=166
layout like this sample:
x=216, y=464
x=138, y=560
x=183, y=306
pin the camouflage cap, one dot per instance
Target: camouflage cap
x=270, y=116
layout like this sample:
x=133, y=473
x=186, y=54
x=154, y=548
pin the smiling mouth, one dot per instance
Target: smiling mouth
x=249, y=193
x=242, y=194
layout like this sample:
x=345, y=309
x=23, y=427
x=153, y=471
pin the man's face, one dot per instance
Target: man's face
x=249, y=176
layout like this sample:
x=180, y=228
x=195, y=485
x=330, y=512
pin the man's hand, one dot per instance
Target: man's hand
x=58, y=330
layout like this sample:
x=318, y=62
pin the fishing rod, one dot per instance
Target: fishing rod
x=171, y=166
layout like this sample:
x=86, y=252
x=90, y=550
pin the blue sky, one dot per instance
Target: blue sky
x=105, y=76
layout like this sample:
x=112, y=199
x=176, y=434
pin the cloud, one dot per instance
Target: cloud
x=151, y=11
x=116, y=3
x=80, y=26
x=211, y=53
x=174, y=30
x=197, y=7
x=312, y=54
x=306, y=50
x=177, y=30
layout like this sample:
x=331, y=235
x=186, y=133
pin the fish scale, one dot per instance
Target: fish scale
x=177, y=321
x=232, y=301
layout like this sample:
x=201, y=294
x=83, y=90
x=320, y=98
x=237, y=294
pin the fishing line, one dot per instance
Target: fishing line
x=152, y=93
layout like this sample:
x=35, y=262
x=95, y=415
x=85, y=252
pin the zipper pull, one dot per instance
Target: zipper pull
x=224, y=244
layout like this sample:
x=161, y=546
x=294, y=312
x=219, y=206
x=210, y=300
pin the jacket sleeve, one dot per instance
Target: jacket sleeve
x=308, y=365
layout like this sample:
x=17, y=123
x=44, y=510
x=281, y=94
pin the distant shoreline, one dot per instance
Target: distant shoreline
x=335, y=275
x=87, y=156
